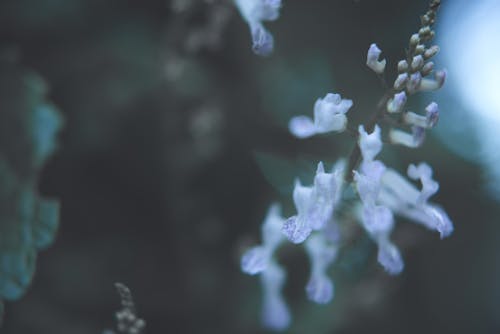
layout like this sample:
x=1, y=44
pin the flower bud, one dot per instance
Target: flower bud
x=414, y=40
x=431, y=52
x=413, y=140
x=413, y=83
x=427, y=69
x=402, y=66
x=433, y=84
x=420, y=49
x=417, y=63
x=397, y=103
x=400, y=81
x=372, y=59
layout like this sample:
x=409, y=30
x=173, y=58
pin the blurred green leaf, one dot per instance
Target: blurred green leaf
x=28, y=222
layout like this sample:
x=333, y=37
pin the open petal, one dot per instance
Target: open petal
x=302, y=127
x=390, y=258
x=296, y=229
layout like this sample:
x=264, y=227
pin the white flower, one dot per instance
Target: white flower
x=329, y=115
x=390, y=257
x=377, y=220
x=315, y=205
x=368, y=181
x=320, y=288
x=428, y=121
x=275, y=313
x=414, y=139
x=256, y=259
x=259, y=260
x=433, y=84
x=403, y=198
x=369, y=144
x=254, y=12
x=372, y=59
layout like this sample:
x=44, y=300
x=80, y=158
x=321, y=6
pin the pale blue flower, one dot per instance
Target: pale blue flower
x=433, y=84
x=254, y=12
x=372, y=59
x=256, y=259
x=259, y=260
x=275, y=313
x=322, y=254
x=315, y=205
x=428, y=121
x=369, y=144
x=329, y=116
x=406, y=200
x=432, y=114
x=423, y=172
x=390, y=257
x=377, y=220
x=413, y=140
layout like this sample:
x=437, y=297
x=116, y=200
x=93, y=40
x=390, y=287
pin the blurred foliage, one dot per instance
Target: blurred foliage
x=28, y=221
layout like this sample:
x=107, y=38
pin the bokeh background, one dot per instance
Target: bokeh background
x=175, y=142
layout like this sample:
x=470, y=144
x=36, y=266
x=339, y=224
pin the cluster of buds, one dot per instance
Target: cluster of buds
x=127, y=320
x=415, y=74
x=383, y=193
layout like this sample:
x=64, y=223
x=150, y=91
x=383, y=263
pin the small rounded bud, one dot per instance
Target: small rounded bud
x=432, y=114
x=427, y=69
x=414, y=40
x=425, y=20
x=401, y=81
x=424, y=31
x=397, y=103
x=414, y=82
x=441, y=77
x=417, y=63
x=431, y=52
x=378, y=66
x=420, y=49
x=402, y=66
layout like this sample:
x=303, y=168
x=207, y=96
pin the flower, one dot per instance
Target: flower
x=397, y=103
x=417, y=63
x=428, y=121
x=372, y=59
x=315, y=205
x=322, y=254
x=369, y=144
x=406, y=200
x=257, y=259
x=376, y=219
x=329, y=115
x=275, y=313
x=414, y=139
x=254, y=12
x=414, y=83
x=433, y=84
x=401, y=81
